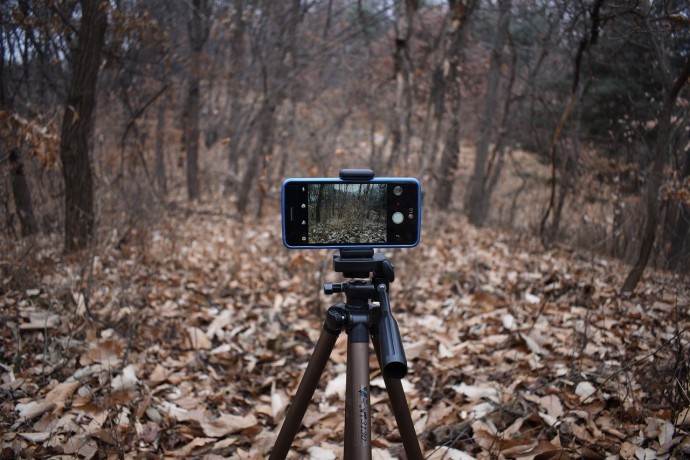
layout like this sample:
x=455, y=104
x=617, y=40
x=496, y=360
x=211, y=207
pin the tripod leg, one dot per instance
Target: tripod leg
x=401, y=411
x=357, y=401
x=305, y=391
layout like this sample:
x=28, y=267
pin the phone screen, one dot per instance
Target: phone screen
x=335, y=213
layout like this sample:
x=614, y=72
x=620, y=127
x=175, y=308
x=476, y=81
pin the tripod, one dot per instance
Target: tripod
x=361, y=321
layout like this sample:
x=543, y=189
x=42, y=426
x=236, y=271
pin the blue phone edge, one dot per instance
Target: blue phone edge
x=337, y=180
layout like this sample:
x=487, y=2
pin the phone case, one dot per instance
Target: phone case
x=407, y=219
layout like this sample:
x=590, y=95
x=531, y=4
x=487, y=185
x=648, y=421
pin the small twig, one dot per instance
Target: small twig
x=632, y=365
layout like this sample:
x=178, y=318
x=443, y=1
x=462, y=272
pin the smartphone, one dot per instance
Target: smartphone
x=335, y=213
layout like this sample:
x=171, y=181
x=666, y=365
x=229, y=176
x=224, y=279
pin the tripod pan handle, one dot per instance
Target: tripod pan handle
x=393, y=359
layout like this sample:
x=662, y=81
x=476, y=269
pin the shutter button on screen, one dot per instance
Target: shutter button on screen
x=397, y=217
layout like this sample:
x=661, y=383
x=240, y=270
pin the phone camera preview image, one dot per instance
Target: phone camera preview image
x=347, y=214
x=332, y=213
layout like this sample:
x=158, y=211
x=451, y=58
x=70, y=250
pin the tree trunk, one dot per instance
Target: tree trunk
x=547, y=233
x=498, y=153
x=76, y=126
x=199, y=28
x=280, y=86
x=160, y=146
x=661, y=147
x=319, y=199
x=678, y=248
x=450, y=155
x=22, y=195
x=432, y=126
x=191, y=133
x=479, y=196
x=400, y=130
x=235, y=90
x=265, y=145
x=459, y=12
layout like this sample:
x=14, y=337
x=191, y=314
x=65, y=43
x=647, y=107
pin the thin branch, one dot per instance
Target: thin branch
x=140, y=112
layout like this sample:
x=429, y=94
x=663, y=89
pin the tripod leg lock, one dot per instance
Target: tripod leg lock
x=336, y=318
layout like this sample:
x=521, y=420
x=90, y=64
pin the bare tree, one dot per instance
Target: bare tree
x=31, y=79
x=678, y=224
x=446, y=80
x=276, y=62
x=556, y=201
x=76, y=125
x=236, y=76
x=479, y=198
x=159, y=160
x=402, y=63
x=671, y=89
x=198, y=31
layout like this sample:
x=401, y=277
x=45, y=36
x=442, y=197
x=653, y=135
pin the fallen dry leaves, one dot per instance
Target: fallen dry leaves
x=189, y=339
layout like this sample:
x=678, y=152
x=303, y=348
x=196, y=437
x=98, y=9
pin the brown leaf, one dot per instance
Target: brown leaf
x=61, y=394
x=158, y=376
x=190, y=448
x=149, y=432
x=31, y=410
x=279, y=403
x=106, y=352
x=40, y=320
x=518, y=447
x=544, y=448
x=196, y=339
x=36, y=437
x=552, y=405
x=227, y=424
x=81, y=445
x=127, y=380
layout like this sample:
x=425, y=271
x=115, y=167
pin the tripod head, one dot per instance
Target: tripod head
x=358, y=264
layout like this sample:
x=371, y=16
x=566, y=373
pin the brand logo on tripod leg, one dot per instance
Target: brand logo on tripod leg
x=364, y=412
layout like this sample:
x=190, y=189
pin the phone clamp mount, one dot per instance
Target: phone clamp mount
x=362, y=322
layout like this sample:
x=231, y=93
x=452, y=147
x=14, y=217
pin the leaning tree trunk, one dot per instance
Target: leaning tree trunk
x=76, y=126
x=661, y=148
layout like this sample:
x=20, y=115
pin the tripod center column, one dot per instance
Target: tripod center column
x=357, y=400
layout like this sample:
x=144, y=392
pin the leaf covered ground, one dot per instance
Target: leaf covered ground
x=188, y=338
x=352, y=232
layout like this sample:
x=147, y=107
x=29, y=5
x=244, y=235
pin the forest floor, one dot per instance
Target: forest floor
x=188, y=338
